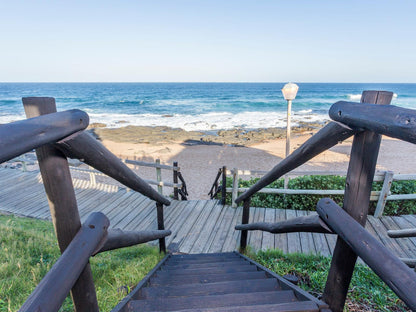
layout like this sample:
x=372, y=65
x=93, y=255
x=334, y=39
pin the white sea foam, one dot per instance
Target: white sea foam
x=354, y=97
x=357, y=97
x=209, y=121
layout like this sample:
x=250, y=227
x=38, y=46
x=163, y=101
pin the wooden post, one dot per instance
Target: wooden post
x=363, y=159
x=62, y=202
x=224, y=185
x=381, y=203
x=235, y=188
x=245, y=218
x=175, y=180
x=159, y=177
x=161, y=226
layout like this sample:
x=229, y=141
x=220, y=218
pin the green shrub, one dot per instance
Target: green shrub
x=324, y=182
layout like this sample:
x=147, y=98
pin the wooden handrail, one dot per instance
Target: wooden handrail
x=22, y=136
x=324, y=139
x=400, y=278
x=55, y=286
x=312, y=224
x=393, y=121
x=118, y=238
x=93, y=153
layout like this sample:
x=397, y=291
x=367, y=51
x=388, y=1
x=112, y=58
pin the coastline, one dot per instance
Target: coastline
x=164, y=134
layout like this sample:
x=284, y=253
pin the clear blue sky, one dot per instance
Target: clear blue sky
x=259, y=41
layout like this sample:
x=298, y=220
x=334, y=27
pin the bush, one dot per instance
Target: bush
x=324, y=182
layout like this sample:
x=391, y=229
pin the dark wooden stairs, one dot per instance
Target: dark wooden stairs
x=216, y=282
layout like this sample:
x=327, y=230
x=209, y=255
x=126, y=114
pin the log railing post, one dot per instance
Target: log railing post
x=245, y=218
x=175, y=181
x=363, y=159
x=381, y=203
x=62, y=202
x=224, y=185
x=161, y=226
x=234, y=193
x=159, y=177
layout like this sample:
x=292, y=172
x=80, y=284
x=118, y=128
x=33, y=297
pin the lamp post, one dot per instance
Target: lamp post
x=289, y=93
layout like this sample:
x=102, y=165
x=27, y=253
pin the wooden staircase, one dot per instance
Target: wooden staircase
x=216, y=282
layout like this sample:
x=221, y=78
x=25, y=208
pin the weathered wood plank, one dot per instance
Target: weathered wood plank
x=281, y=240
x=293, y=239
x=226, y=225
x=306, y=240
x=268, y=239
x=208, y=228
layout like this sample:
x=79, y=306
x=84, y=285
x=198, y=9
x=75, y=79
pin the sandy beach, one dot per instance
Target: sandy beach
x=199, y=160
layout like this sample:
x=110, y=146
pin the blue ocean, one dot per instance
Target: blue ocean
x=195, y=106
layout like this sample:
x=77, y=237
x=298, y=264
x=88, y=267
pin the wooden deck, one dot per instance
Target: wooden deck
x=198, y=226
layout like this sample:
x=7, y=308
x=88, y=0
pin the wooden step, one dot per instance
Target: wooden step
x=210, y=255
x=201, y=261
x=214, y=301
x=207, y=278
x=301, y=306
x=219, y=288
x=209, y=270
x=205, y=265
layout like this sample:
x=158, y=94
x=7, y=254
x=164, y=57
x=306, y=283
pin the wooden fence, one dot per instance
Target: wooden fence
x=380, y=196
x=179, y=188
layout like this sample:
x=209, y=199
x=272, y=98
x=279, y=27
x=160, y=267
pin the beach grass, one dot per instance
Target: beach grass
x=29, y=249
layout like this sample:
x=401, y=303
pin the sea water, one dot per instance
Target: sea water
x=195, y=106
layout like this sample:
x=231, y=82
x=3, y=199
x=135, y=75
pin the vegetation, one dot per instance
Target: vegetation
x=29, y=249
x=324, y=182
x=367, y=291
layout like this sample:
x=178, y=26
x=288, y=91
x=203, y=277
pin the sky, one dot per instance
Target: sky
x=208, y=41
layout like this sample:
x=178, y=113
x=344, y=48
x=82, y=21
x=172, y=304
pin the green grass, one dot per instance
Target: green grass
x=367, y=291
x=29, y=249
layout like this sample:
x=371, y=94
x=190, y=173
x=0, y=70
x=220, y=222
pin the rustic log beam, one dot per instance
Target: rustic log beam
x=299, y=224
x=55, y=286
x=62, y=202
x=400, y=278
x=324, y=139
x=402, y=233
x=393, y=121
x=118, y=238
x=358, y=184
x=161, y=226
x=244, y=220
x=84, y=147
x=24, y=135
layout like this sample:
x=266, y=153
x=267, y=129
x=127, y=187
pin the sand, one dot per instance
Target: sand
x=199, y=163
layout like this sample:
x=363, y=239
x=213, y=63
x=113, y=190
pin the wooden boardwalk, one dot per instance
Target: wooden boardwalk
x=198, y=226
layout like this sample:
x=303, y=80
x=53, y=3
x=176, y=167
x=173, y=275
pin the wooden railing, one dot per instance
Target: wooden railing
x=57, y=136
x=366, y=122
x=382, y=196
x=216, y=187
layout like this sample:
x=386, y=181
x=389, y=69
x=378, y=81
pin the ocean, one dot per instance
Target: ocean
x=195, y=106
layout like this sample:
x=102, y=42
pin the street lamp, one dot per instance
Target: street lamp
x=289, y=93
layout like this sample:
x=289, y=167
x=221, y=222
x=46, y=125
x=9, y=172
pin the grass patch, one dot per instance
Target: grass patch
x=28, y=250
x=324, y=182
x=367, y=291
